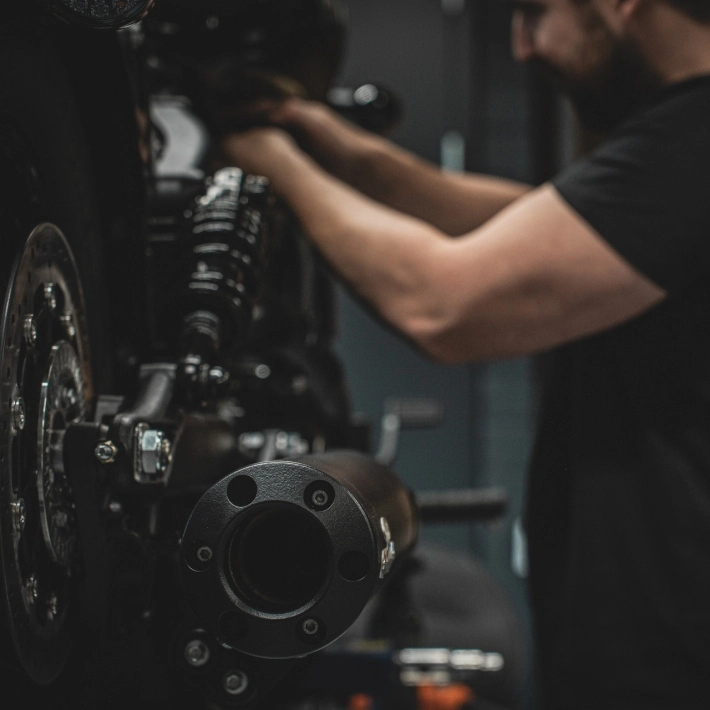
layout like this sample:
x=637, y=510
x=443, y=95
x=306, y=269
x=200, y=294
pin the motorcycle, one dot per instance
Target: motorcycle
x=189, y=512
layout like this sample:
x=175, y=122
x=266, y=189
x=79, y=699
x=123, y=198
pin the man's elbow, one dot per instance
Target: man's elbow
x=436, y=336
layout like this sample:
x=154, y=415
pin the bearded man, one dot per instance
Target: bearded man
x=609, y=266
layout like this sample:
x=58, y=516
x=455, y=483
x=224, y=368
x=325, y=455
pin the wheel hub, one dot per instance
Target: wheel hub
x=45, y=387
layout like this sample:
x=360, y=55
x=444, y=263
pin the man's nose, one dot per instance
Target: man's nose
x=522, y=40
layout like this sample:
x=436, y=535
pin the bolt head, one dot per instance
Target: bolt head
x=310, y=627
x=204, y=553
x=197, y=653
x=52, y=606
x=18, y=413
x=50, y=296
x=30, y=331
x=106, y=451
x=319, y=498
x=68, y=323
x=235, y=682
x=19, y=515
x=32, y=588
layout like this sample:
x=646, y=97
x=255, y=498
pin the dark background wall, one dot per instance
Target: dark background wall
x=450, y=62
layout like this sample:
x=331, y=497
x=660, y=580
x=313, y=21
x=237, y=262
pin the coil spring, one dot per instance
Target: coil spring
x=229, y=242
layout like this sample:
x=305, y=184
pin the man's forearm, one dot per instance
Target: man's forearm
x=386, y=256
x=456, y=203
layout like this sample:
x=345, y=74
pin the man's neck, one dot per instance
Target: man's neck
x=676, y=46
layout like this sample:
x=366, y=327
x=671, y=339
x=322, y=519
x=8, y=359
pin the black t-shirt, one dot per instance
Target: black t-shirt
x=619, y=493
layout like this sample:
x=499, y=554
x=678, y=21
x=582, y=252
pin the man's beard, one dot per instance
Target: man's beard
x=620, y=83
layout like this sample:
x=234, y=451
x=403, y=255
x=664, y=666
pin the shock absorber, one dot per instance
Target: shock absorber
x=229, y=240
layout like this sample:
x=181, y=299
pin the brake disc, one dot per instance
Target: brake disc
x=46, y=385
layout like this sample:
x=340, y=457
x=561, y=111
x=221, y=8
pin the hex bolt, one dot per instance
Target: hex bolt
x=106, y=451
x=235, y=682
x=18, y=413
x=50, y=296
x=197, y=653
x=52, y=606
x=30, y=331
x=32, y=588
x=204, y=553
x=19, y=516
x=319, y=498
x=310, y=627
x=68, y=323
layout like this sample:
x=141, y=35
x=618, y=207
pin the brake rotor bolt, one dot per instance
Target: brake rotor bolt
x=32, y=589
x=19, y=517
x=18, y=413
x=319, y=498
x=30, y=331
x=197, y=653
x=106, y=452
x=50, y=296
x=235, y=682
x=68, y=324
x=204, y=553
x=52, y=606
x=310, y=627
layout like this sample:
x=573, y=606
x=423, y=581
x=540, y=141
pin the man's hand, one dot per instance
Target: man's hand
x=336, y=144
x=260, y=151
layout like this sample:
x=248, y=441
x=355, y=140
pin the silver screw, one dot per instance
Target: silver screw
x=218, y=375
x=52, y=606
x=204, y=553
x=32, y=588
x=68, y=324
x=19, y=517
x=197, y=653
x=262, y=372
x=310, y=627
x=18, y=413
x=106, y=451
x=319, y=498
x=30, y=331
x=235, y=682
x=115, y=509
x=50, y=295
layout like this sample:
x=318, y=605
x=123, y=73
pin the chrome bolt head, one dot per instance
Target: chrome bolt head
x=310, y=627
x=106, y=451
x=19, y=515
x=69, y=327
x=319, y=498
x=204, y=553
x=197, y=653
x=32, y=589
x=235, y=682
x=52, y=606
x=18, y=413
x=50, y=296
x=29, y=329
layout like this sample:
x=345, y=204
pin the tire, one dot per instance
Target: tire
x=46, y=175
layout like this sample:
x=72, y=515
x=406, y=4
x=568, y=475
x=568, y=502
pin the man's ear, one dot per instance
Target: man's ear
x=628, y=8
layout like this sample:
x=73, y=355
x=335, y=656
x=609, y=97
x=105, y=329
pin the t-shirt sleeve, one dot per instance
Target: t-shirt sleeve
x=647, y=193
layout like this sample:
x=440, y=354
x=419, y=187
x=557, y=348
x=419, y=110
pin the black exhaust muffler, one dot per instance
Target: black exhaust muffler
x=280, y=558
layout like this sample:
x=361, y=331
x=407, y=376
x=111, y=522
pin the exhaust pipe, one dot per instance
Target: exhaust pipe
x=280, y=558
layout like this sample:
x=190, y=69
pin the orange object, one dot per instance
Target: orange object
x=360, y=702
x=447, y=697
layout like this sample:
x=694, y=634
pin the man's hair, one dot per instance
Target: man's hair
x=697, y=9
